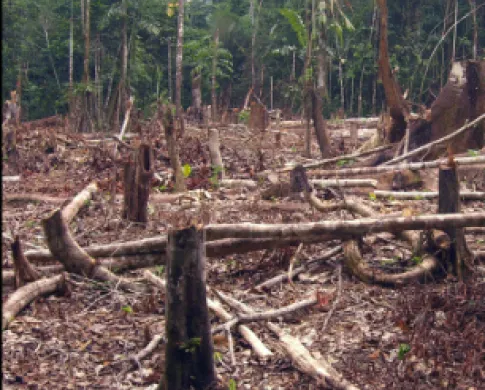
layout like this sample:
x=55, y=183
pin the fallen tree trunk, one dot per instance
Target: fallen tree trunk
x=388, y=168
x=67, y=251
x=342, y=229
x=78, y=201
x=26, y=294
x=416, y=195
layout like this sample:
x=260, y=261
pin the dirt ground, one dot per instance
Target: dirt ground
x=424, y=336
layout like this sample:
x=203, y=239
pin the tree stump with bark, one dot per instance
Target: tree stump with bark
x=189, y=361
x=258, y=119
x=137, y=179
x=457, y=255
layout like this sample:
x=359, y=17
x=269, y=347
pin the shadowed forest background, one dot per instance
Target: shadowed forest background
x=257, y=41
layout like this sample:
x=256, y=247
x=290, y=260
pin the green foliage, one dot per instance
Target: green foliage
x=372, y=196
x=217, y=356
x=417, y=260
x=296, y=24
x=243, y=116
x=127, y=309
x=191, y=345
x=186, y=170
x=232, y=384
x=403, y=350
x=159, y=270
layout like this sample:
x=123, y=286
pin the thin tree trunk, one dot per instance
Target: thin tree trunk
x=178, y=69
x=473, y=6
x=359, y=99
x=86, y=42
x=169, y=66
x=307, y=82
x=453, y=52
x=341, y=82
x=71, y=58
x=293, y=69
x=214, y=73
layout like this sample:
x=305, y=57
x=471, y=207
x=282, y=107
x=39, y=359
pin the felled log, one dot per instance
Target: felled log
x=67, y=251
x=341, y=229
x=26, y=294
x=72, y=208
x=417, y=195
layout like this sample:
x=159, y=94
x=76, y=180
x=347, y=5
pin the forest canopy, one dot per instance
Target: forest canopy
x=260, y=42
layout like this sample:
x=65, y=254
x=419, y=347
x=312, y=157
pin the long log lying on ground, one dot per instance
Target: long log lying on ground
x=158, y=245
x=342, y=229
x=34, y=198
x=389, y=168
x=417, y=195
x=26, y=294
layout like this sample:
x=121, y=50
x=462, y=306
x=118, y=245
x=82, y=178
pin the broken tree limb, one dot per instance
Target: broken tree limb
x=342, y=229
x=344, y=183
x=355, y=264
x=417, y=195
x=428, y=146
x=320, y=370
x=33, y=198
x=308, y=266
x=67, y=251
x=388, y=168
x=79, y=201
x=318, y=164
x=269, y=314
x=239, y=183
x=258, y=346
x=26, y=294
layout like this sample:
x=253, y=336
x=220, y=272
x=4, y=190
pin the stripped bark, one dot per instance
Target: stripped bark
x=26, y=294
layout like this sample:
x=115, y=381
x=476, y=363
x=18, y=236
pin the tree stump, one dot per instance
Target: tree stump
x=449, y=202
x=189, y=352
x=137, y=178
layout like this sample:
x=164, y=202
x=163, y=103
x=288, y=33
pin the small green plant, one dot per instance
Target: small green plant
x=473, y=153
x=372, y=196
x=191, y=345
x=243, y=117
x=162, y=188
x=293, y=149
x=214, y=179
x=160, y=270
x=127, y=309
x=30, y=224
x=403, y=350
x=417, y=260
x=344, y=162
x=186, y=170
x=232, y=384
x=419, y=197
x=218, y=356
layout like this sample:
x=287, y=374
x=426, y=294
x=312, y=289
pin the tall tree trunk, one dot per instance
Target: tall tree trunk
x=97, y=81
x=120, y=104
x=196, y=97
x=394, y=97
x=86, y=42
x=178, y=69
x=293, y=68
x=453, y=52
x=71, y=58
x=307, y=100
x=473, y=6
x=341, y=82
x=169, y=66
x=214, y=73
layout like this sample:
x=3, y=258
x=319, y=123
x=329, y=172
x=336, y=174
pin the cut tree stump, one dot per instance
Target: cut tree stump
x=137, y=179
x=458, y=255
x=189, y=361
x=24, y=271
x=215, y=153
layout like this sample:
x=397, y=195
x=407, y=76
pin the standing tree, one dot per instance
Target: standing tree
x=178, y=69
